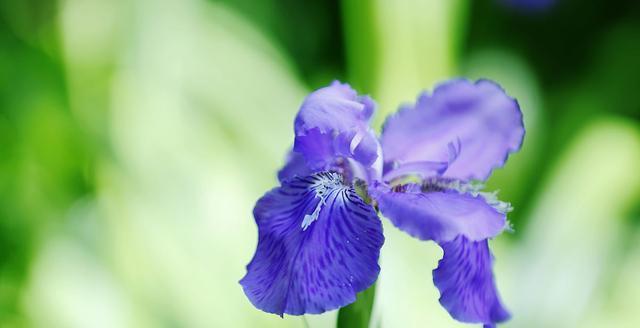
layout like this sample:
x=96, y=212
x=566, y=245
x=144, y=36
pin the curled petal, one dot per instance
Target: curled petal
x=439, y=215
x=475, y=126
x=318, y=246
x=336, y=107
x=464, y=278
x=362, y=146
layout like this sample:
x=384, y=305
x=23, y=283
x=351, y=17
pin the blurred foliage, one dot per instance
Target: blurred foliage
x=135, y=136
x=310, y=32
x=44, y=160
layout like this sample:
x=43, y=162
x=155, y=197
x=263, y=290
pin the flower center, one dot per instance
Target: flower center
x=324, y=185
x=436, y=184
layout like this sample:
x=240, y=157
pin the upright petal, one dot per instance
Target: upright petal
x=436, y=213
x=334, y=122
x=318, y=246
x=335, y=107
x=477, y=123
x=295, y=166
x=317, y=148
x=465, y=279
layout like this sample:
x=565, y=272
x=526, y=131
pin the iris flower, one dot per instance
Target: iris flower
x=531, y=6
x=319, y=234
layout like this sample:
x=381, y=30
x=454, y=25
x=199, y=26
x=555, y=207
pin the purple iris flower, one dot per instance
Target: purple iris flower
x=319, y=234
x=530, y=5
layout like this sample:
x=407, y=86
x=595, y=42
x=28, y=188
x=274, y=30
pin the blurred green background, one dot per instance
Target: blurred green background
x=136, y=135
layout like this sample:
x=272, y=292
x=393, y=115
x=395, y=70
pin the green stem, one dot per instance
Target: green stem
x=358, y=313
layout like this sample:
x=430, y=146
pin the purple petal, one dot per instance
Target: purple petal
x=533, y=6
x=317, y=148
x=336, y=107
x=473, y=125
x=318, y=246
x=438, y=215
x=334, y=122
x=420, y=169
x=295, y=167
x=365, y=148
x=465, y=279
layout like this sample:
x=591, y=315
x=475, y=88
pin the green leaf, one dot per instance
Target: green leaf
x=358, y=313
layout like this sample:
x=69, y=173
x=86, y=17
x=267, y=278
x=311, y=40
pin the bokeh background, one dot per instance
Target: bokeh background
x=136, y=135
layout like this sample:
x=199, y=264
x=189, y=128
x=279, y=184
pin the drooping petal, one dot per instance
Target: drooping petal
x=477, y=122
x=318, y=246
x=440, y=214
x=334, y=122
x=464, y=277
